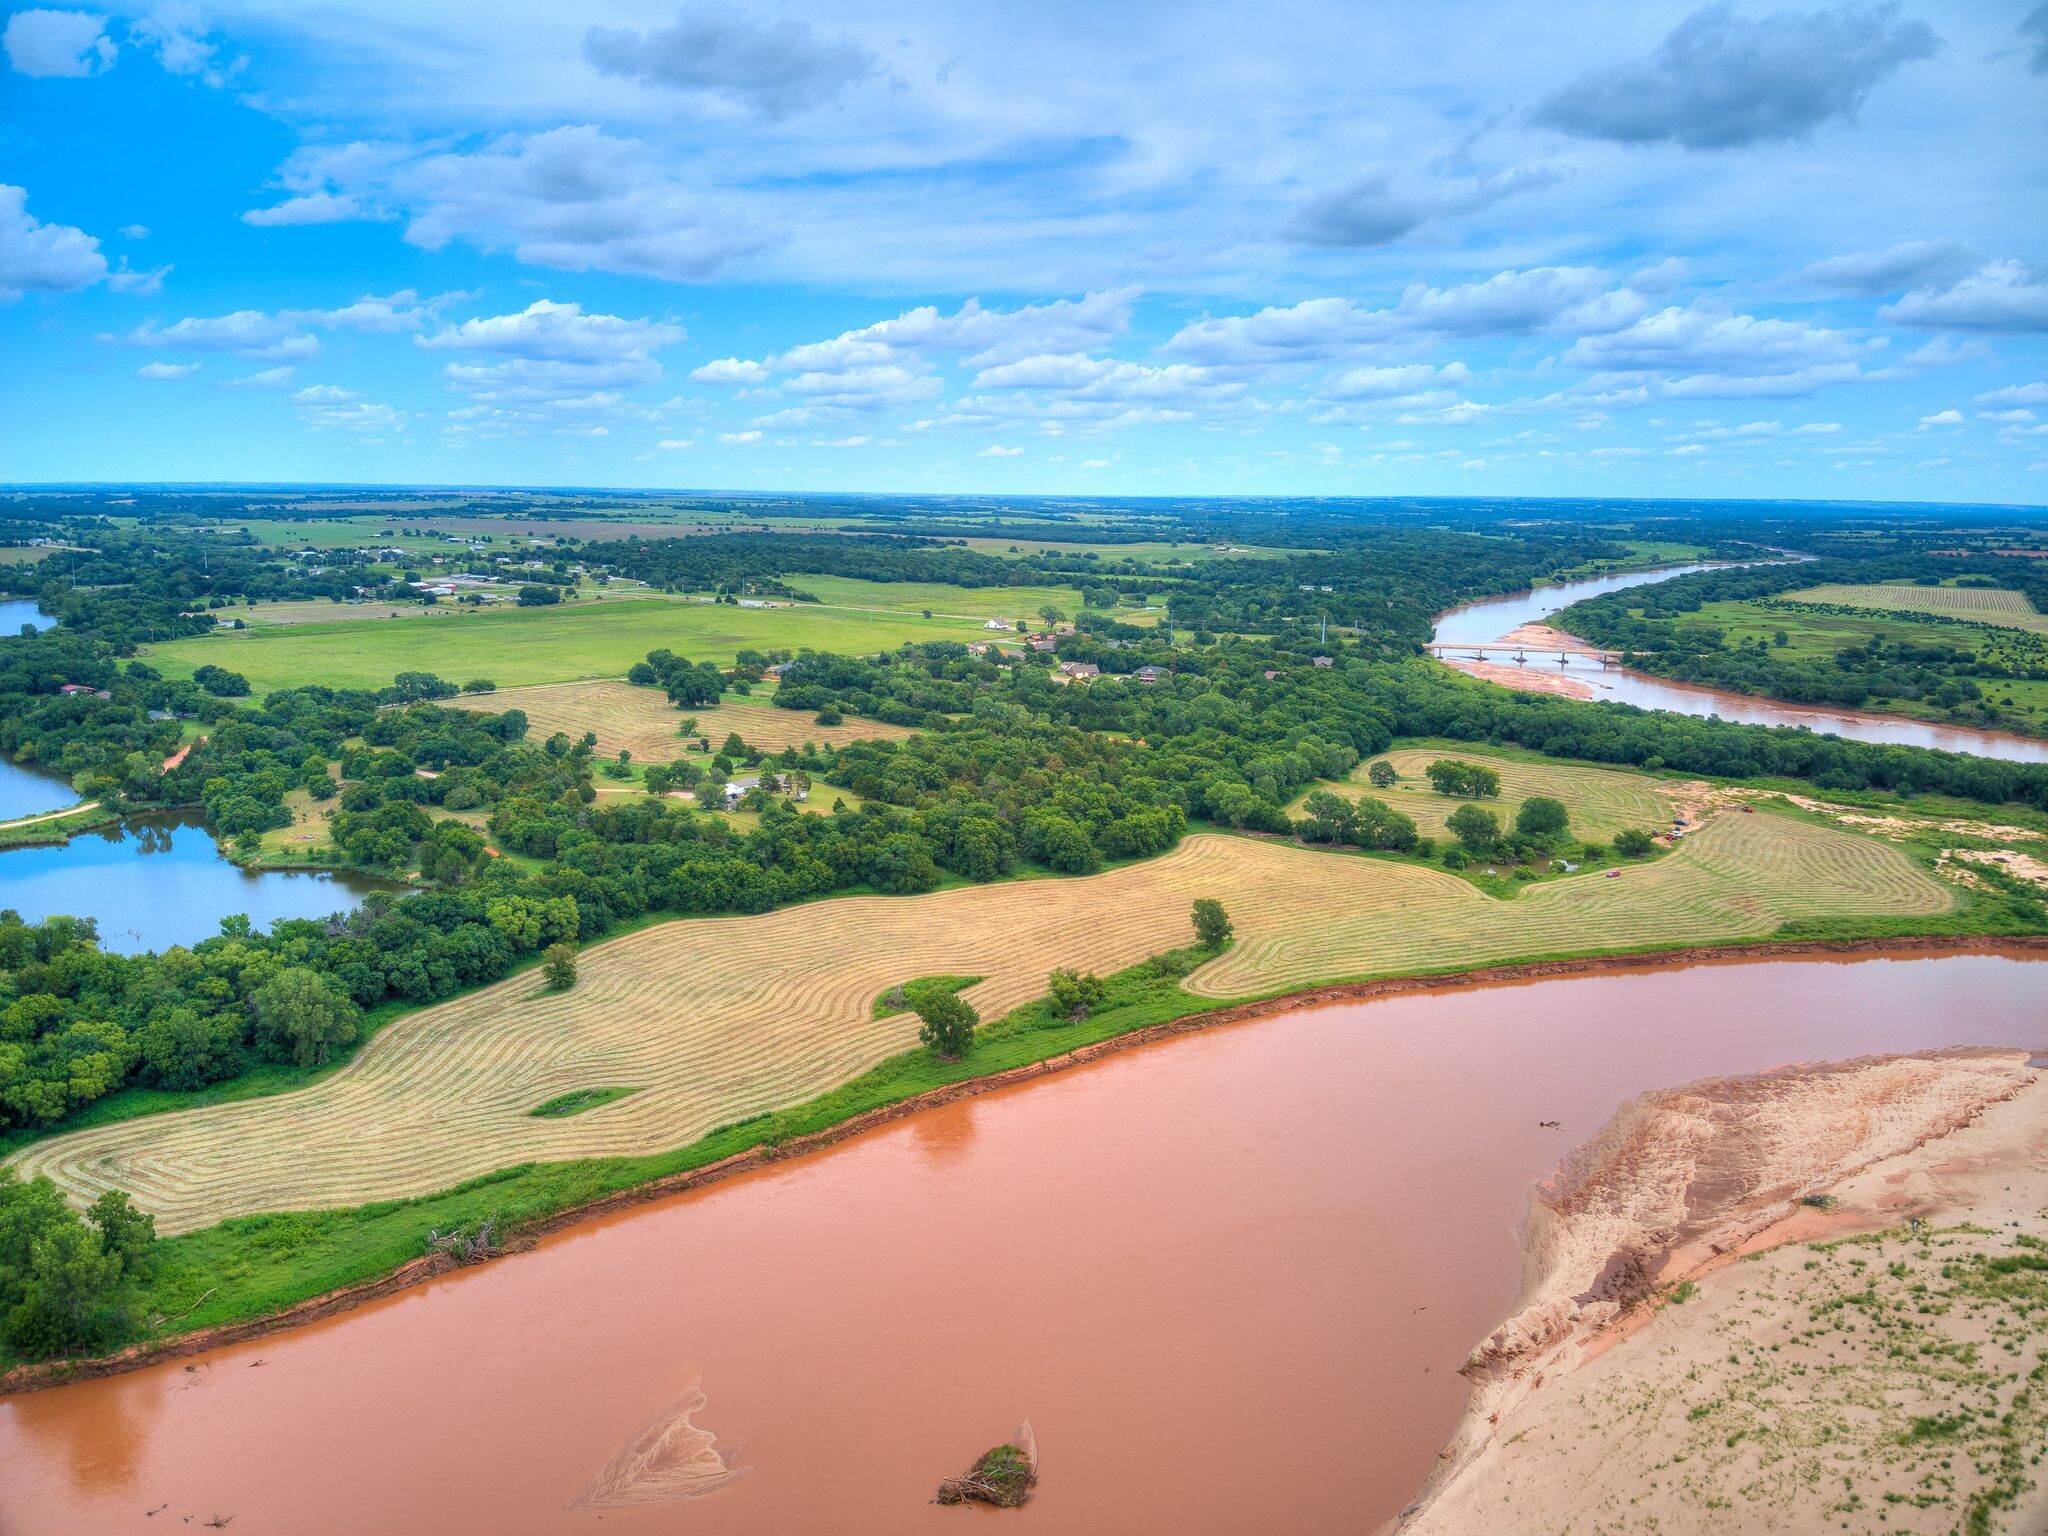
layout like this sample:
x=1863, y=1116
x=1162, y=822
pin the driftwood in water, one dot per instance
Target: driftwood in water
x=1004, y=1476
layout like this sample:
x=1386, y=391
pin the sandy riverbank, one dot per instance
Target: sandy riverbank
x=1699, y=1349
x=1530, y=677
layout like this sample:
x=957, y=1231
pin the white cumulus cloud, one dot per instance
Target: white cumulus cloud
x=49, y=43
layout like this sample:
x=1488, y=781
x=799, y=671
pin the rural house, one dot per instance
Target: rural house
x=1148, y=674
x=1080, y=669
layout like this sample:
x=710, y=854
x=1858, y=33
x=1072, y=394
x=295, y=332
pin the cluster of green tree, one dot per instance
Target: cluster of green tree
x=1222, y=698
x=136, y=585
x=67, y=1280
x=689, y=685
x=1662, y=631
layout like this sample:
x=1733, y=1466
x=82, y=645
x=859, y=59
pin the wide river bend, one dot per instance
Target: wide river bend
x=1230, y=1279
x=1481, y=623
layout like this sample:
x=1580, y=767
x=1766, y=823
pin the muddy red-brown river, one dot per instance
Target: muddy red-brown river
x=1229, y=1278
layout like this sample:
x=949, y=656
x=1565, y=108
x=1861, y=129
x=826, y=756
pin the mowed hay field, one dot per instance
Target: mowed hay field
x=712, y=1020
x=516, y=646
x=643, y=722
x=1979, y=605
x=1601, y=801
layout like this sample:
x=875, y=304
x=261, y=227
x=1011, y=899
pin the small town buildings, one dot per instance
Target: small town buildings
x=1043, y=642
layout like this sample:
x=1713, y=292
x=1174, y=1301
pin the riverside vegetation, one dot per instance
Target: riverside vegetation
x=995, y=771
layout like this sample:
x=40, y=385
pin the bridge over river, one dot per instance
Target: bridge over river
x=1505, y=650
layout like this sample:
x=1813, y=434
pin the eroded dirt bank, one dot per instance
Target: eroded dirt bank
x=28, y=1378
x=1697, y=1348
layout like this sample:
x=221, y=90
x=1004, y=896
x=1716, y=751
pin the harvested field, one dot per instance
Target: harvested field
x=1979, y=605
x=643, y=722
x=717, y=1019
x=1602, y=801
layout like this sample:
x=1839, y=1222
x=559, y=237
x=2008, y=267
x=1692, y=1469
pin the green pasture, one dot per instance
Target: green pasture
x=515, y=646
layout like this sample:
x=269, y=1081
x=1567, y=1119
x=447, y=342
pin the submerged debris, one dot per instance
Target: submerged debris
x=671, y=1460
x=1004, y=1476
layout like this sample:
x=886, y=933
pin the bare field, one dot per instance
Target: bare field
x=716, y=1019
x=1979, y=605
x=643, y=722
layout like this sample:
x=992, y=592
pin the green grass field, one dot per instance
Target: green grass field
x=517, y=646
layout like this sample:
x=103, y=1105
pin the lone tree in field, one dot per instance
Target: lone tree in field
x=1448, y=776
x=946, y=1019
x=1212, y=923
x=1542, y=819
x=1632, y=842
x=1052, y=614
x=1382, y=775
x=558, y=965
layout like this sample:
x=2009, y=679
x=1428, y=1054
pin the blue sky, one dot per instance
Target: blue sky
x=1467, y=248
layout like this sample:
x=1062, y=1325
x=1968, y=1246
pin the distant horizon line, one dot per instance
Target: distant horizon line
x=22, y=487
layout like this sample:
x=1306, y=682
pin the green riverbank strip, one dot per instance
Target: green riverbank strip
x=56, y=827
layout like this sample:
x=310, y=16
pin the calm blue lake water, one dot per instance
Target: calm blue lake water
x=24, y=792
x=17, y=611
x=161, y=880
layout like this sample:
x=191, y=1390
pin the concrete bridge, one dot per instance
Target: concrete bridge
x=1501, y=650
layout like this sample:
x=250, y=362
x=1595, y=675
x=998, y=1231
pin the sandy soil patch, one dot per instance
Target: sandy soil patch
x=1528, y=677
x=1545, y=637
x=1689, y=1357
x=2026, y=866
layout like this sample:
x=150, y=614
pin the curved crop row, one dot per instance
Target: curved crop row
x=712, y=1020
